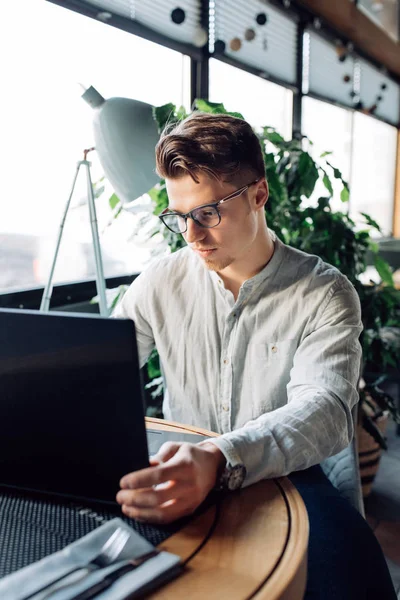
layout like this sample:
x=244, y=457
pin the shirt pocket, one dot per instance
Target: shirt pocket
x=274, y=352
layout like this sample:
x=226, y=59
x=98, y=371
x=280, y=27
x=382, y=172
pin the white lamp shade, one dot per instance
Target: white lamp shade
x=125, y=135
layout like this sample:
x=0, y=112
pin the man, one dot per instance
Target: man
x=258, y=342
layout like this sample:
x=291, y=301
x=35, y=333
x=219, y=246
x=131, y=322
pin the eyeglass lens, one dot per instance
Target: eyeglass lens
x=207, y=216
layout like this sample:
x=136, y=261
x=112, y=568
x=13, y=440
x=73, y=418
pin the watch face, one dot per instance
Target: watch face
x=236, y=477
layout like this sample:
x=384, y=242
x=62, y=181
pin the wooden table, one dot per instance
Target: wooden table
x=253, y=546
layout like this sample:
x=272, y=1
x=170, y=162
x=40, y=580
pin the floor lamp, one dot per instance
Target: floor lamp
x=100, y=281
x=125, y=135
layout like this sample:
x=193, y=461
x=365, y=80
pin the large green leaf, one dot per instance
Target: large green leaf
x=153, y=365
x=327, y=183
x=384, y=270
x=373, y=246
x=370, y=221
x=345, y=194
x=164, y=115
x=209, y=107
x=308, y=174
x=214, y=108
x=113, y=201
x=336, y=173
x=273, y=136
x=276, y=188
x=159, y=196
x=181, y=113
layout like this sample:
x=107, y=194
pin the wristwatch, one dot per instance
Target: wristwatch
x=231, y=478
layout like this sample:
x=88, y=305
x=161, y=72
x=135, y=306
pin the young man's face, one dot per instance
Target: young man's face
x=231, y=241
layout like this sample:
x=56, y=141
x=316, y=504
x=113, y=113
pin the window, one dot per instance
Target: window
x=373, y=170
x=330, y=130
x=45, y=126
x=259, y=101
x=364, y=150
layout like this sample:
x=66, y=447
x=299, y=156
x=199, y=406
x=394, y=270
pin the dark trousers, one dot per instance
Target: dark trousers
x=345, y=560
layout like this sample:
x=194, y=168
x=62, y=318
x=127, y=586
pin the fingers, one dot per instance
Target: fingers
x=153, y=497
x=164, y=468
x=146, y=478
x=166, y=513
x=167, y=451
x=154, y=505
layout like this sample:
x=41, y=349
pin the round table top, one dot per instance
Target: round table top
x=253, y=545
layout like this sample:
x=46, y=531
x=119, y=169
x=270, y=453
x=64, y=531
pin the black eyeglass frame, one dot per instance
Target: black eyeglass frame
x=215, y=205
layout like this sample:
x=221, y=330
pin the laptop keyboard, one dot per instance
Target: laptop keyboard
x=156, y=438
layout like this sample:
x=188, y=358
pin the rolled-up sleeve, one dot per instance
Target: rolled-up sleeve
x=316, y=422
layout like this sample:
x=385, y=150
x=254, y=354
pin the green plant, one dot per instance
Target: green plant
x=155, y=386
x=292, y=176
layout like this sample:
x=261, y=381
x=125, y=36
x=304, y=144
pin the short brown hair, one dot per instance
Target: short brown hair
x=218, y=144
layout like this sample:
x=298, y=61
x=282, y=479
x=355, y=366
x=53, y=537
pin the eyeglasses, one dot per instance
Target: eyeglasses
x=207, y=215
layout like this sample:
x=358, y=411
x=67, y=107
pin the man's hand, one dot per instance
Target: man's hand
x=178, y=481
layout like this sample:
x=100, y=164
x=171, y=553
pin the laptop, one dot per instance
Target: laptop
x=72, y=405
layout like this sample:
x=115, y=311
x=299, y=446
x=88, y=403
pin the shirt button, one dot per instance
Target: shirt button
x=225, y=407
x=226, y=361
x=234, y=315
x=274, y=349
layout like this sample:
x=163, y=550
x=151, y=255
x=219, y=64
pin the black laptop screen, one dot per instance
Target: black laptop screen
x=71, y=405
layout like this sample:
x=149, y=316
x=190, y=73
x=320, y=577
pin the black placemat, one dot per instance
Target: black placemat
x=32, y=528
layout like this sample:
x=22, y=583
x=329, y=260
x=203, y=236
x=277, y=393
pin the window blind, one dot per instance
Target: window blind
x=328, y=77
x=374, y=85
x=156, y=15
x=274, y=47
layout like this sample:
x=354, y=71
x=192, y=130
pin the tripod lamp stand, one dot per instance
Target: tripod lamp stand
x=100, y=281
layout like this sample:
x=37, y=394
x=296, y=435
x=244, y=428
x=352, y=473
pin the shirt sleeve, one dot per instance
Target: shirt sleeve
x=133, y=306
x=316, y=422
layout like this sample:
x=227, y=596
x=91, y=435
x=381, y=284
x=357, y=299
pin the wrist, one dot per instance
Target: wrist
x=215, y=452
x=229, y=477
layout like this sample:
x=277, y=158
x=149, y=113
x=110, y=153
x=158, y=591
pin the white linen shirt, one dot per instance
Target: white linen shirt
x=275, y=372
